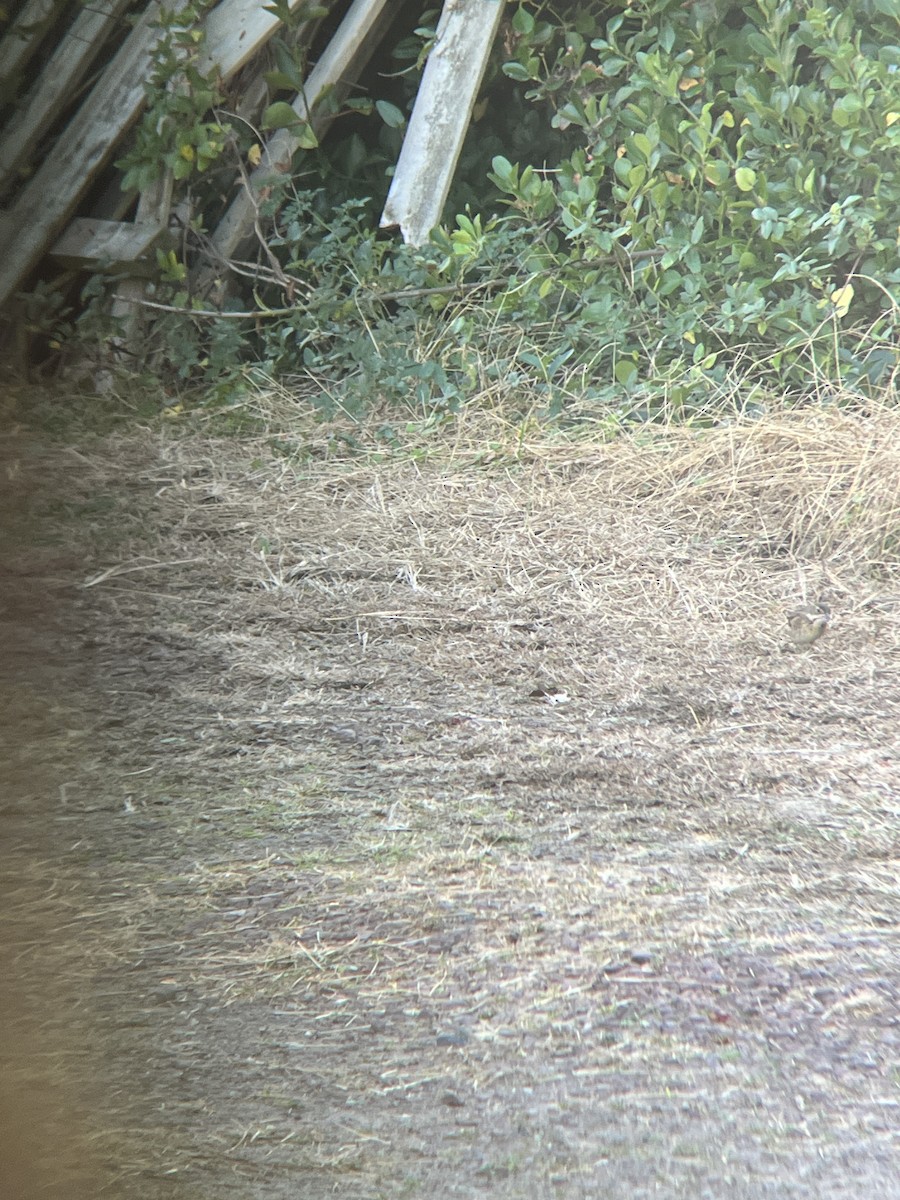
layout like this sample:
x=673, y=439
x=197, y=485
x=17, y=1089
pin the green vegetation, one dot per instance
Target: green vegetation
x=705, y=217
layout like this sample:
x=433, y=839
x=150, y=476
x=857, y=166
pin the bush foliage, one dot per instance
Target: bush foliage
x=710, y=194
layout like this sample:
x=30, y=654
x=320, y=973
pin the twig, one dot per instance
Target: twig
x=402, y=294
x=120, y=570
x=213, y=312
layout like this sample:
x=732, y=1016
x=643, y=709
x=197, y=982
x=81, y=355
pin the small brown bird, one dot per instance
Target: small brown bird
x=808, y=622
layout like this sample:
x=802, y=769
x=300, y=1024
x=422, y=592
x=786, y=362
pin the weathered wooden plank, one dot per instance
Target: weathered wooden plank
x=90, y=242
x=50, y=196
x=441, y=116
x=26, y=34
x=344, y=57
x=68, y=65
x=234, y=31
x=154, y=209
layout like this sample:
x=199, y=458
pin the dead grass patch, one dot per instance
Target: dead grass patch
x=489, y=771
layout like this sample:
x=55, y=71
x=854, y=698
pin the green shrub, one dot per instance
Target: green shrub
x=723, y=209
x=754, y=163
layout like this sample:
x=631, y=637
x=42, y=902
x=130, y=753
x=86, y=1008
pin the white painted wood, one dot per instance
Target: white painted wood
x=25, y=35
x=441, y=116
x=344, y=57
x=68, y=65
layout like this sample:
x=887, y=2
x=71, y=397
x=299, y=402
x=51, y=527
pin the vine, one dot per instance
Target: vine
x=175, y=133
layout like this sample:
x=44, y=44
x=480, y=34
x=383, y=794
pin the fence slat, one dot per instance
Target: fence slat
x=26, y=35
x=441, y=116
x=90, y=243
x=234, y=31
x=50, y=197
x=67, y=67
x=346, y=54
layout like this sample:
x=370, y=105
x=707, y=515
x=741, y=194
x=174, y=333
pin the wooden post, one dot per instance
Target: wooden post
x=153, y=213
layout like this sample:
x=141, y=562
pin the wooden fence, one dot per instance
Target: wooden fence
x=49, y=213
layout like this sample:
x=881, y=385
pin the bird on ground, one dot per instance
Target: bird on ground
x=807, y=622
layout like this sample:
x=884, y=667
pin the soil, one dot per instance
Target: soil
x=440, y=827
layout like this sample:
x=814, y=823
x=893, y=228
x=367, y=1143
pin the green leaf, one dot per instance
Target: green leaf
x=715, y=172
x=523, y=22
x=390, y=114
x=279, y=115
x=306, y=137
x=505, y=173
x=745, y=178
x=640, y=146
x=669, y=282
x=280, y=9
x=515, y=70
x=288, y=65
x=613, y=65
x=626, y=371
x=278, y=81
x=597, y=312
x=560, y=360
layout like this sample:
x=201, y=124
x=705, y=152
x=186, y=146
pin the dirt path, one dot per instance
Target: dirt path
x=443, y=830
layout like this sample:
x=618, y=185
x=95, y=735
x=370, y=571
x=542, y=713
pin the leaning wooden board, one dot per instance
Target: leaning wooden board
x=26, y=34
x=441, y=116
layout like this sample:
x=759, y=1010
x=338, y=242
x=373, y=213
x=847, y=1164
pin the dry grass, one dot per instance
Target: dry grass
x=485, y=762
